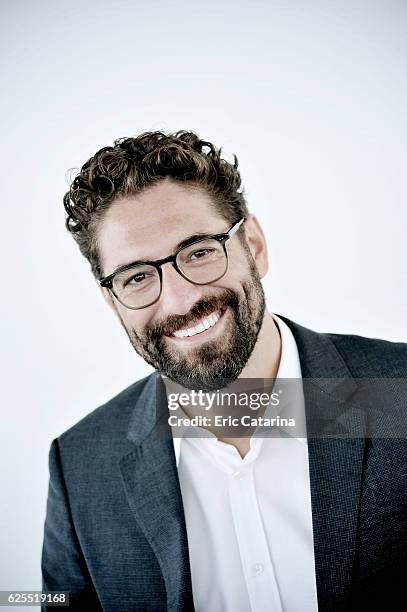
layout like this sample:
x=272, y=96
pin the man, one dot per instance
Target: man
x=138, y=519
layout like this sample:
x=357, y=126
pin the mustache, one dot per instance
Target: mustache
x=201, y=309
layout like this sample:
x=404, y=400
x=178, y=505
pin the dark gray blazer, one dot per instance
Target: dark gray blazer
x=115, y=534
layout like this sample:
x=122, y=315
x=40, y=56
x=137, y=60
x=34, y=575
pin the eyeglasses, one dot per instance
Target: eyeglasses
x=139, y=284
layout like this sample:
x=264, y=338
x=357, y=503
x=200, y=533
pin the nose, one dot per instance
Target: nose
x=178, y=295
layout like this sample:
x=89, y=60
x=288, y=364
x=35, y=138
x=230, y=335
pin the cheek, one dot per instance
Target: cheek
x=133, y=319
x=237, y=273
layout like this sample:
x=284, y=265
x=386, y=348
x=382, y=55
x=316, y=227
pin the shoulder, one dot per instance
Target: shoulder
x=107, y=423
x=362, y=356
x=371, y=356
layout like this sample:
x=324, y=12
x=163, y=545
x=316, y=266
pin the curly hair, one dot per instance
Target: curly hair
x=134, y=164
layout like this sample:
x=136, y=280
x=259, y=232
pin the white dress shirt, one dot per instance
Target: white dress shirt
x=249, y=521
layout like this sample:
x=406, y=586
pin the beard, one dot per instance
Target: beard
x=216, y=363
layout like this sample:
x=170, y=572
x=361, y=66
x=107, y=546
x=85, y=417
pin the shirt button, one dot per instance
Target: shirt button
x=258, y=568
x=238, y=475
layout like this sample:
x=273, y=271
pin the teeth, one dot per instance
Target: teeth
x=204, y=324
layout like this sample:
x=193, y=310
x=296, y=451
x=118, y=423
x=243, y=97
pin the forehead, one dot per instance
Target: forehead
x=151, y=224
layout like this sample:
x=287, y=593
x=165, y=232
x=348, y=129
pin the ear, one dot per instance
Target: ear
x=257, y=244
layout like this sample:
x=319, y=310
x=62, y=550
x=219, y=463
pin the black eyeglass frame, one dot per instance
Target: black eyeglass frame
x=107, y=281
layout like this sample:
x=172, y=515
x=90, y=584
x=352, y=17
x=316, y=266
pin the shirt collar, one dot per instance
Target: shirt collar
x=289, y=367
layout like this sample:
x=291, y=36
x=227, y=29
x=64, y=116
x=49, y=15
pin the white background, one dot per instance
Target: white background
x=310, y=95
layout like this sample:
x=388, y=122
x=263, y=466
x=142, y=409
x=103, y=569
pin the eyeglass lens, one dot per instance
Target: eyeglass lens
x=202, y=262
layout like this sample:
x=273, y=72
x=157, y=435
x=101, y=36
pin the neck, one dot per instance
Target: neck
x=262, y=364
x=265, y=358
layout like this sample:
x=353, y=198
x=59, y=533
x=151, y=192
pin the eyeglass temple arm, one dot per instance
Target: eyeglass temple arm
x=235, y=227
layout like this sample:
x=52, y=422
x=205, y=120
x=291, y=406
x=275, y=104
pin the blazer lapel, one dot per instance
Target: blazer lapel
x=335, y=465
x=152, y=488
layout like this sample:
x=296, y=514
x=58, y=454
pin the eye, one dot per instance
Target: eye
x=137, y=279
x=200, y=254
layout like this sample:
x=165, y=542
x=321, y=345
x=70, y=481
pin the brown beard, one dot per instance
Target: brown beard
x=216, y=363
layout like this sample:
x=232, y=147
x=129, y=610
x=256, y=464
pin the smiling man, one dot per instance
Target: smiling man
x=200, y=319
x=204, y=517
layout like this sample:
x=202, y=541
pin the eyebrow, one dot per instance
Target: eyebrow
x=184, y=243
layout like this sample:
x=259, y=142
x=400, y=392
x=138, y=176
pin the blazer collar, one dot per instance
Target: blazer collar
x=151, y=482
x=335, y=464
x=153, y=492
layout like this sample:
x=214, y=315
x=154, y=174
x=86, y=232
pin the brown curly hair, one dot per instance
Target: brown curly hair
x=133, y=164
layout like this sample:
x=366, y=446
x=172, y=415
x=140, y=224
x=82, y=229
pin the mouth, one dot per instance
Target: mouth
x=203, y=329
